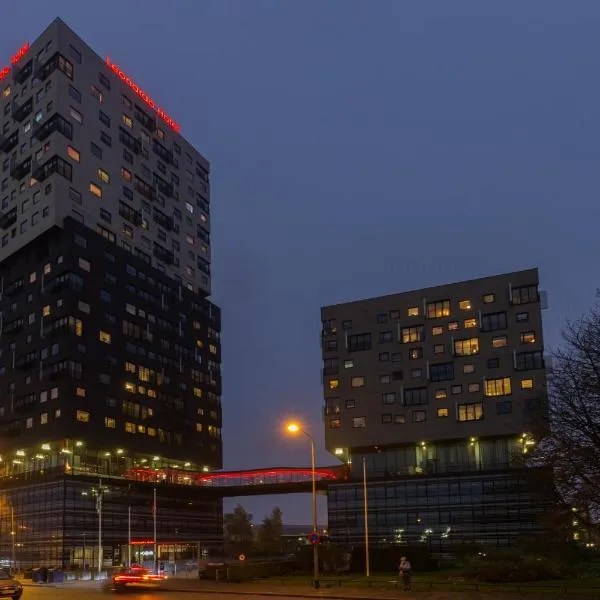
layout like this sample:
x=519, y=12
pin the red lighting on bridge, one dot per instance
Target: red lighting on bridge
x=275, y=475
x=21, y=52
x=159, y=111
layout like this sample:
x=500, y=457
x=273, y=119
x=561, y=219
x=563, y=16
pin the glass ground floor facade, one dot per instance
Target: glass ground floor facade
x=57, y=520
x=491, y=509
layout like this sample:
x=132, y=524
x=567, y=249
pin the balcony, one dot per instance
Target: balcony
x=163, y=254
x=130, y=214
x=14, y=288
x=129, y=141
x=57, y=61
x=26, y=360
x=144, y=188
x=146, y=121
x=164, y=188
x=164, y=221
x=20, y=75
x=13, y=326
x=21, y=111
x=54, y=165
x=10, y=141
x=68, y=281
x=8, y=219
x=19, y=170
x=55, y=123
x=164, y=154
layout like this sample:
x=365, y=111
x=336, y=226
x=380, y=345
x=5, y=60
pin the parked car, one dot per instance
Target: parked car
x=9, y=587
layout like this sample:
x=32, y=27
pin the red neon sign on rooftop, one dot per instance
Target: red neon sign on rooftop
x=15, y=59
x=159, y=111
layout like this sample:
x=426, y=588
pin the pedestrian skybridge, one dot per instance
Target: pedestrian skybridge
x=254, y=482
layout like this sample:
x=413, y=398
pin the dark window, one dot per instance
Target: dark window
x=331, y=345
x=419, y=416
x=127, y=157
x=522, y=317
x=399, y=419
x=105, y=296
x=415, y=396
x=382, y=319
x=387, y=418
x=524, y=295
x=105, y=138
x=104, y=118
x=351, y=403
x=385, y=337
x=347, y=324
x=359, y=342
x=330, y=366
x=104, y=80
x=96, y=150
x=396, y=356
x=126, y=101
x=504, y=407
x=527, y=361
x=493, y=321
x=74, y=54
x=105, y=215
x=75, y=196
x=75, y=93
x=493, y=363
x=441, y=372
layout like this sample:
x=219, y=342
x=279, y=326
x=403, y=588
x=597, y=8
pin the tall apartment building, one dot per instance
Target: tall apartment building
x=110, y=348
x=440, y=391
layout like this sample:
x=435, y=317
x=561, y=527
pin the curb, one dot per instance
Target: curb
x=309, y=594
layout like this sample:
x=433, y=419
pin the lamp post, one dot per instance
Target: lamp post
x=295, y=428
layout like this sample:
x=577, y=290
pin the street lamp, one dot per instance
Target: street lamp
x=295, y=428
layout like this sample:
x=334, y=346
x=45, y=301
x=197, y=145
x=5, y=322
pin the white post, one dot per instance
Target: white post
x=129, y=534
x=366, y=517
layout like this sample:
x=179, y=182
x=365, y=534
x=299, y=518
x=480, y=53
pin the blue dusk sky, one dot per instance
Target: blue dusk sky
x=361, y=148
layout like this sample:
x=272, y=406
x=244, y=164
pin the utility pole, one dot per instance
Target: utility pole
x=366, y=517
x=99, y=509
x=14, y=535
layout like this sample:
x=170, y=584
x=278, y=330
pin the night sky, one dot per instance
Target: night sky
x=360, y=148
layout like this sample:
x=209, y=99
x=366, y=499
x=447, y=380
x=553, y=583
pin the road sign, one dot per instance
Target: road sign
x=242, y=557
x=314, y=537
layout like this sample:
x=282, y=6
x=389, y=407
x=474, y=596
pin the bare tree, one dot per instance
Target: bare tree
x=572, y=447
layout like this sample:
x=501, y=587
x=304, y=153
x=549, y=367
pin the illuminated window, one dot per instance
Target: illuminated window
x=357, y=382
x=474, y=387
x=468, y=368
x=130, y=387
x=96, y=190
x=109, y=422
x=453, y=326
x=442, y=412
x=438, y=309
x=528, y=337
x=54, y=393
x=498, y=387
x=80, y=391
x=349, y=363
x=499, y=341
x=130, y=427
x=125, y=174
x=440, y=393
x=413, y=311
x=151, y=393
x=130, y=367
x=438, y=349
x=470, y=323
x=97, y=93
x=197, y=392
x=489, y=298
x=526, y=384
x=103, y=176
x=44, y=418
x=466, y=347
x=46, y=310
x=470, y=412
x=359, y=422
x=415, y=353
x=6, y=91
x=212, y=348
x=83, y=416
x=151, y=431
x=84, y=264
x=104, y=337
x=78, y=327
x=199, y=426
x=127, y=121
x=464, y=305
x=437, y=330
x=141, y=429
x=335, y=423
x=412, y=334
x=126, y=230
x=74, y=154
x=47, y=268
x=76, y=115
x=144, y=374
x=334, y=384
